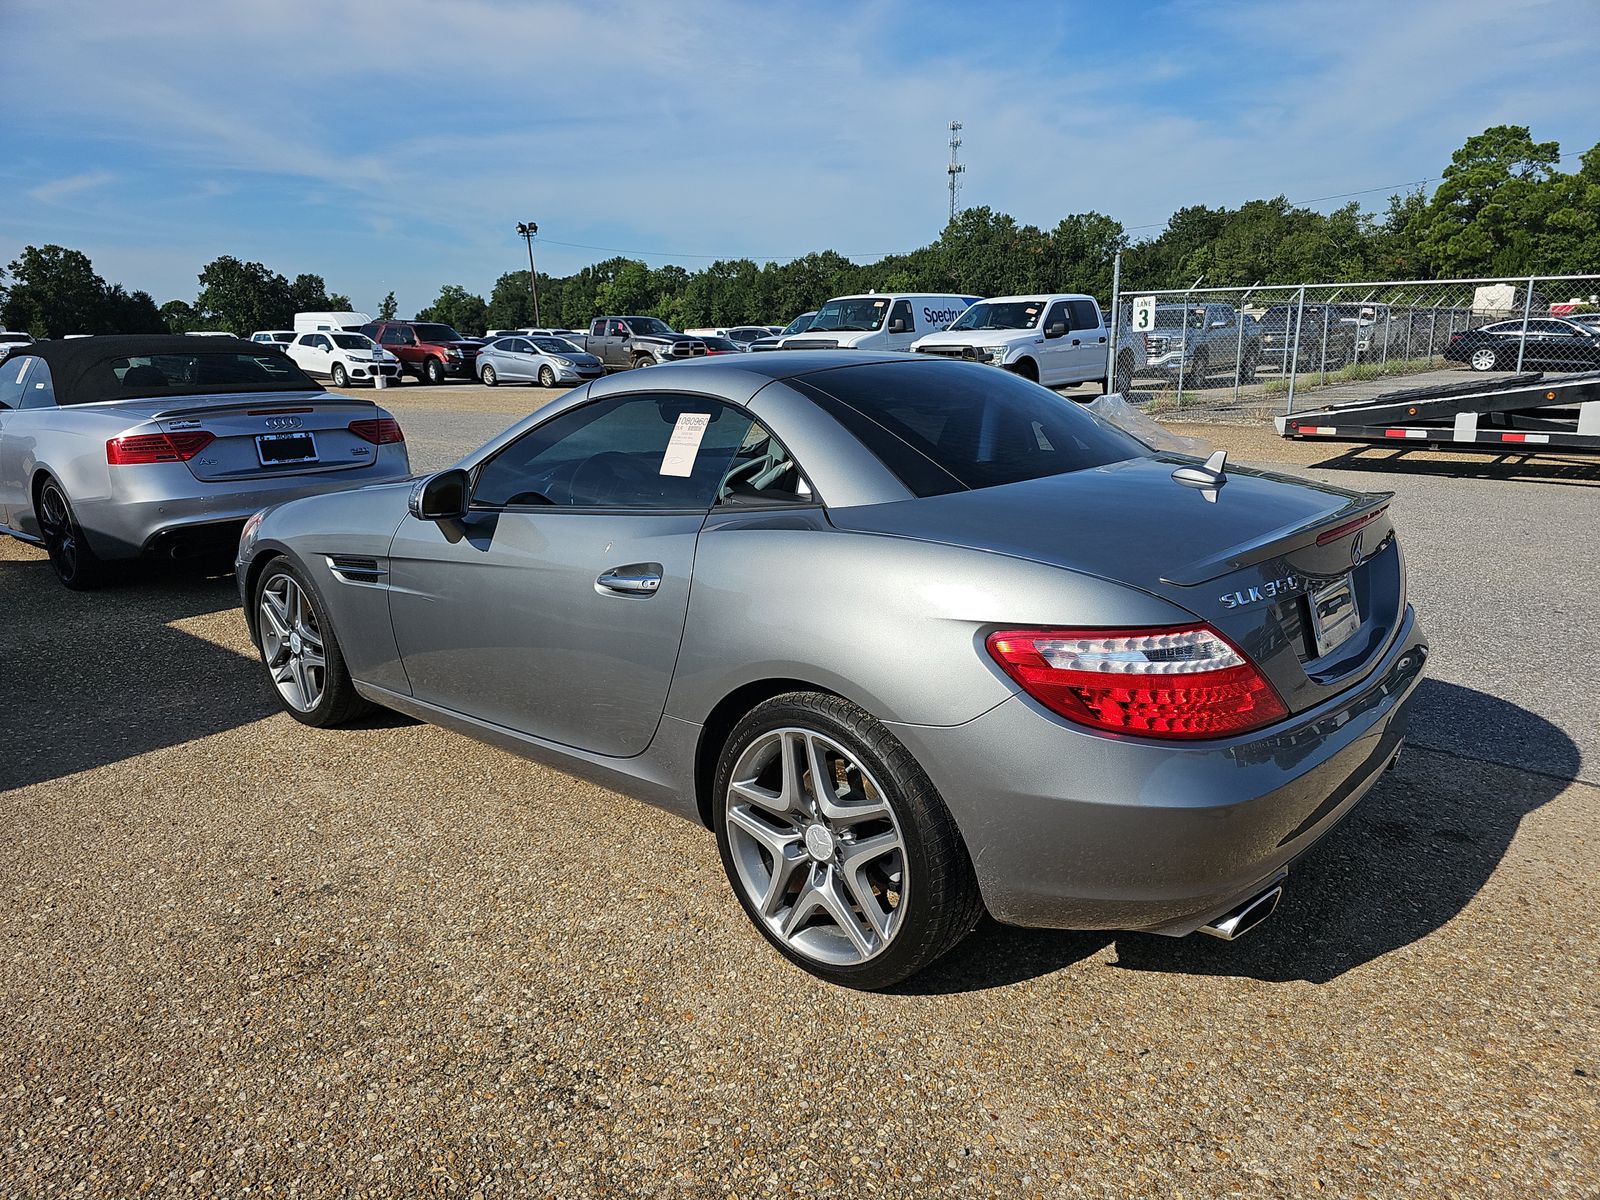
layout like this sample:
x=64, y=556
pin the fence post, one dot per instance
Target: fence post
x=1183, y=341
x=1116, y=324
x=1388, y=329
x=1294, y=350
x=1527, y=309
x=1433, y=330
x=1322, y=357
x=1238, y=349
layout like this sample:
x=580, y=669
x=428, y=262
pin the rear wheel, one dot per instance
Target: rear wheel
x=340, y=377
x=76, y=565
x=547, y=376
x=433, y=371
x=838, y=845
x=1122, y=379
x=300, y=651
x=1484, y=359
x=489, y=377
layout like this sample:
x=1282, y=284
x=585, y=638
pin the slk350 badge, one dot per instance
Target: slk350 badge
x=1270, y=590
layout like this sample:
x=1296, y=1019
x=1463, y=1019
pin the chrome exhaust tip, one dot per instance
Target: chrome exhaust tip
x=1242, y=918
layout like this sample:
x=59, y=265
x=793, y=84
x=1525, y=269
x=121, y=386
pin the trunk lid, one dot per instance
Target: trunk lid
x=1250, y=557
x=264, y=435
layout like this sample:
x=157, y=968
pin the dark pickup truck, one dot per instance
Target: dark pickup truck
x=622, y=343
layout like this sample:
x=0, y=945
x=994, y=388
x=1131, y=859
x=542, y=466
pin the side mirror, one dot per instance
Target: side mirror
x=1056, y=329
x=441, y=497
x=898, y=325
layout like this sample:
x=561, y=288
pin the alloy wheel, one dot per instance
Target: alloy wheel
x=339, y=376
x=547, y=377
x=59, y=531
x=1483, y=360
x=816, y=847
x=291, y=643
x=489, y=377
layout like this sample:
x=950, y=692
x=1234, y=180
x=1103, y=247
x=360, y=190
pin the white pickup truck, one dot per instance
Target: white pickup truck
x=1055, y=340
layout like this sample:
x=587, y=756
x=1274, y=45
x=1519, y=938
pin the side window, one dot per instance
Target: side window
x=641, y=452
x=1058, y=312
x=597, y=327
x=762, y=473
x=38, y=390
x=1084, y=315
x=618, y=329
x=902, y=312
x=12, y=372
x=518, y=346
x=370, y=331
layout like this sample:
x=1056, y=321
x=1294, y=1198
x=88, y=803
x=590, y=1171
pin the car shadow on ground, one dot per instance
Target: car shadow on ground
x=1519, y=468
x=92, y=678
x=1410, y=857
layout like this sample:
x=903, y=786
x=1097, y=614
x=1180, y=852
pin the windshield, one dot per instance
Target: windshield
x=799, y=325
x=858, y=315
x=436, y=333
x=1172, y=318
x=352, y=341
x=947, y=427
x=649, y=325
x=720, y=343
x=555, y=345
x=990, y=314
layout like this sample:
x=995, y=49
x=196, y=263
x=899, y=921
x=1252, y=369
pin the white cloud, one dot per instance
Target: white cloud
x=57, y=190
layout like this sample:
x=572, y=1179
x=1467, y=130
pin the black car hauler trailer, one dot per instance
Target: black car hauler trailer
x=1526, y=413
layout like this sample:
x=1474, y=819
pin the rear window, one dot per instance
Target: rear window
x=190, y=374
x=945, y=427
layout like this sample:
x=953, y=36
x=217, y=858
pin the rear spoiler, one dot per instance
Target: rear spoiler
x=1337, y=524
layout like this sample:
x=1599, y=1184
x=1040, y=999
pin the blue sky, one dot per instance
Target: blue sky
x=394, y=144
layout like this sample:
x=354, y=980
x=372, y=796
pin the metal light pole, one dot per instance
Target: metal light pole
x=526, y=230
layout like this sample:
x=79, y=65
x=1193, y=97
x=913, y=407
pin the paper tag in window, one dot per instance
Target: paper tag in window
x=684, y=445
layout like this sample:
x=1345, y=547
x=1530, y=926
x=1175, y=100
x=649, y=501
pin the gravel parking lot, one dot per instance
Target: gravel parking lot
x=244, y=956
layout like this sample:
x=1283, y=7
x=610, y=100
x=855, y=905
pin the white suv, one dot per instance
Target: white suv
x=344, y=358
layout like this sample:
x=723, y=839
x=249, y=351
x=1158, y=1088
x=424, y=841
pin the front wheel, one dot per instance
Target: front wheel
x=643, y=360
x=837, y=844
x=489, y=377
x=340, y=377
x=433, y=371
x=547, y=376
x=76, y=565
x=299, y=649
x=1122, y=379
x=1484, y=359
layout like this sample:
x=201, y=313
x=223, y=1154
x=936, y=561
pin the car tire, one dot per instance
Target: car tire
x=290, y=620
x=1248, y=370
x=433, y=371
x=340, y=377
x=547, y=376
x=488, y=376
x=1122, y=379
x=73, y=560
x=643, y=360
x=886, y=840
x=1027, y=368
x=1484, y=358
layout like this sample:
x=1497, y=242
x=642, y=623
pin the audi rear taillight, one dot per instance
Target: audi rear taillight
x=380, y=431
x=134, y=448
x=1183, y=682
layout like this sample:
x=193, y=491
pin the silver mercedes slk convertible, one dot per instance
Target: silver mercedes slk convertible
x=113, y=448
x=914, y=638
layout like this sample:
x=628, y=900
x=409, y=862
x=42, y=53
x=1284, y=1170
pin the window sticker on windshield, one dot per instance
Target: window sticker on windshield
x=684, y=445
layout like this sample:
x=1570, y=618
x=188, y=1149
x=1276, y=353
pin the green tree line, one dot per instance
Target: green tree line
x=1503, y=206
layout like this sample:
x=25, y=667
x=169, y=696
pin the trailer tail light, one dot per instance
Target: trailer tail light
x=1183, y=683
x=135, y=448
x=380, y=431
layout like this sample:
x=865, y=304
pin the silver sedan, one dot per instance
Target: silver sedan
x=914, y=638
x=116, y=447
x=547, y=360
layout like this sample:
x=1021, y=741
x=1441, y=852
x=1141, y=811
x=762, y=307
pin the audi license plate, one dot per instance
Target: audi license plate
x=275, y=448
x=1334, y=618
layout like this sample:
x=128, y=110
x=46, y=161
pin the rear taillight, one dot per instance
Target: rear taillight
x=380, y=431
x=1184, y=682
x=136, y=448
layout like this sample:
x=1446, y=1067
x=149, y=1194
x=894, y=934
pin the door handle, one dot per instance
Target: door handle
x=635, y=579
x=1077, y=341
x=1102, y=341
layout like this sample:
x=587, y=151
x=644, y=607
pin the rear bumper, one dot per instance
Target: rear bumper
x=1072, y=829
x=167, y=507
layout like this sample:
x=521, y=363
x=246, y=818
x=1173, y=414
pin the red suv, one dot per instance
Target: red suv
x=430, y=350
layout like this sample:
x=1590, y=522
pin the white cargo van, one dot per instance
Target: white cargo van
x=877, y=322
x=330, y=322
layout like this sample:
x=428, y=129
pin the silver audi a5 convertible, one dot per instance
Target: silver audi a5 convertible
x=914, y=638
x=117, y=447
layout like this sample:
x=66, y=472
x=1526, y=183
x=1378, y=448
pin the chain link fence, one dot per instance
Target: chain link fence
x=1277, y=347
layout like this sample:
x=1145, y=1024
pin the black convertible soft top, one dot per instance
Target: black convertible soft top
x=139, y=366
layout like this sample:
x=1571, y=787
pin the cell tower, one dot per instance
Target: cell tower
x=955, y=169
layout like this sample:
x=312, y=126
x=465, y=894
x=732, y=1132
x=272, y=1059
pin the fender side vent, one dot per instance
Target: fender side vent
x=356, y=570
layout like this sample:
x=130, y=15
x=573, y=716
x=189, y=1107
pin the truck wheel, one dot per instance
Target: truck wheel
x=433, y=371
x=1027, y=368
x=644, y=360
x=1122, y=380
x=1247, y=372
